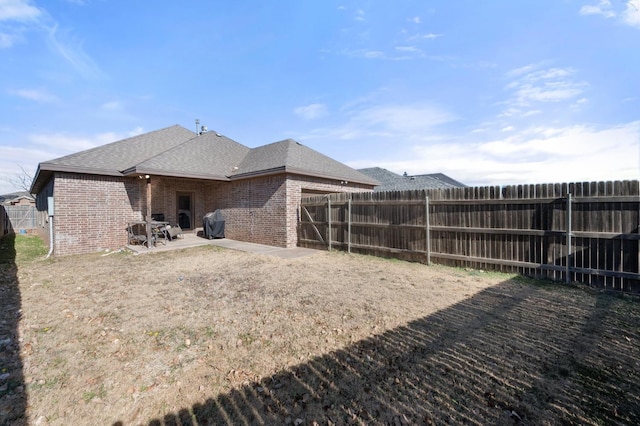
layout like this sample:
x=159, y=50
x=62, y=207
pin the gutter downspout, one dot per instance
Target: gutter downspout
x=50, y=237
x=50, y=211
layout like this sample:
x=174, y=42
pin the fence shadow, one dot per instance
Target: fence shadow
x=513, y=354
x=12, y=387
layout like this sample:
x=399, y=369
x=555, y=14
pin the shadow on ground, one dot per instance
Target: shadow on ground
x=12, y=389
x=518, y=353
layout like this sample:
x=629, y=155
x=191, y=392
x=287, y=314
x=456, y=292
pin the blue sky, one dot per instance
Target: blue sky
x=488, y=92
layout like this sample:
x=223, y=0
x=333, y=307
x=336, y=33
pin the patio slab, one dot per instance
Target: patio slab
x=193, y=240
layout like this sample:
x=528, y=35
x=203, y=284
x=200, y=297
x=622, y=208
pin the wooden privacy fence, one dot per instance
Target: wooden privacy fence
x=22, y=217
x=584, y=232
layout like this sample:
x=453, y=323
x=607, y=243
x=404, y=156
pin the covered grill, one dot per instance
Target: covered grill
x=213, y=225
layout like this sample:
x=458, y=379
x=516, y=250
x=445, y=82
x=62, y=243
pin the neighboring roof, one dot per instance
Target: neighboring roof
x=14, y=196
x=292, y=157
x=446, y=179
x=390, y=181
x=176, y=151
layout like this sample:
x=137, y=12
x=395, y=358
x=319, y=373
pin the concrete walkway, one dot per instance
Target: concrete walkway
x=192, y=240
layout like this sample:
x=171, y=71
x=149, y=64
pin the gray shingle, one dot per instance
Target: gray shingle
x=390, y=181
x=209, y=155
x=126, y=153
x=176, y=151
x=293, y=157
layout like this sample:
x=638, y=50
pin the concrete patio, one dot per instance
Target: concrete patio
x=192, y=239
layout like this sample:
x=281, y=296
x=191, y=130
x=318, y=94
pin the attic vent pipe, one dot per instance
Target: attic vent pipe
x=203, y=129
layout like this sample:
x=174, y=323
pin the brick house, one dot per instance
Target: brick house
x=98, y=191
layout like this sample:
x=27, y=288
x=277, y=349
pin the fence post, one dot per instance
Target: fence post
x=349, y=224
x=427, y=232
x=329, y=221
x=569, y=250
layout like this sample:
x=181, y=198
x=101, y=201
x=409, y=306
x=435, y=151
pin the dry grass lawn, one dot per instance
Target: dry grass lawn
x=210, y=336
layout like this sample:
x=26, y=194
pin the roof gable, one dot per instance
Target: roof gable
x=293, y=157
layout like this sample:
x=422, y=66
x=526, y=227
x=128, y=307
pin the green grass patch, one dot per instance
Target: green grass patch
x=21, y=248
x=100, y=393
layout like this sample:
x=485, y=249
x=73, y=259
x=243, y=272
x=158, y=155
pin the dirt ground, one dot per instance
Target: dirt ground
x=211, y=336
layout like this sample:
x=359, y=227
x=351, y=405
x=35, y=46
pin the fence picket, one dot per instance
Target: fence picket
x=519, y=228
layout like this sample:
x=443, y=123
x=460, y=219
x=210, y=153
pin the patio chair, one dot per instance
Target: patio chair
x=134, y=238
x=174, y=232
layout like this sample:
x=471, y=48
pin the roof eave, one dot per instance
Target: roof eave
x=303, y=172
x=134, y=171
x=45, y=170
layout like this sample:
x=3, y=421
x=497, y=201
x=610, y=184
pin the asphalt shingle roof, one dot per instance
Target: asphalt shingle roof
x=390, y=181
x=291, y=156
x=209, y=155
x=176, y=151
x=124, y=154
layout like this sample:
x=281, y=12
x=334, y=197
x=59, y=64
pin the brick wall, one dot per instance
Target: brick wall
x=164, y=197
x=254, y=210
x=91, y=212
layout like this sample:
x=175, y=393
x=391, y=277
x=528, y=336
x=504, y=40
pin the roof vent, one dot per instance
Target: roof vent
x=203, y=130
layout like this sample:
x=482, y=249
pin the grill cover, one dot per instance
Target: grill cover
x=213, y=225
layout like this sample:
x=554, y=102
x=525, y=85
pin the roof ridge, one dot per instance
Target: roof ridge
x=166, y=150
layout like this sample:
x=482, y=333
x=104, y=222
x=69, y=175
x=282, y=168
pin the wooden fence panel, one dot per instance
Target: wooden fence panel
x=22, y=217
x=517, y=228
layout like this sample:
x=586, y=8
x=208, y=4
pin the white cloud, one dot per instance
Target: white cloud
x=112, y=106
x=8, y=40
x=400, y=119
x=18, y=10
x=73, y=52
x=532, y=85
x=38, y=147
x=522, y=70
x=12, y=158
x=427, y=36
x=360, y=15
x=631, y=15
x=373, y=54
x=135, y=132
x=60, y=41
x=404, y=53
x=412, y=49
x=602, y=8
x=60, y=144
x=401, y=122
x=534, y=155
x=37, y=95
x=311, y=111
x=415, y=20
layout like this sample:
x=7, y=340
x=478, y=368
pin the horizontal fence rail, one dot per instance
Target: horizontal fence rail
x=583, y=232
